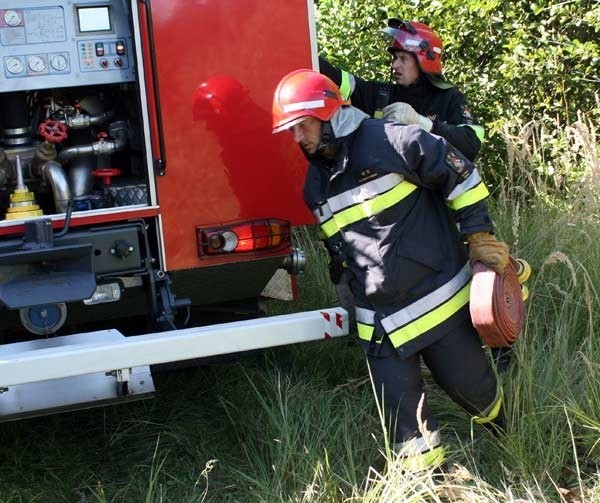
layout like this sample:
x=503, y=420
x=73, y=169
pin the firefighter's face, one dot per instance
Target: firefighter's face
x=405, y=68
x=308, y=134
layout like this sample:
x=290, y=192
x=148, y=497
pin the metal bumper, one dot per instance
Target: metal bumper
x=120, y=364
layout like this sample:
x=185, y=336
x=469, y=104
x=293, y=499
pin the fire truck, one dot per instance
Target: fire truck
x=141, y=189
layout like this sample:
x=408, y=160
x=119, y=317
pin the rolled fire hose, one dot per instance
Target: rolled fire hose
x=496, y=302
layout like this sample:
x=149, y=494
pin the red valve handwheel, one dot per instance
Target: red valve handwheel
x=53, y=131
x=106, y=174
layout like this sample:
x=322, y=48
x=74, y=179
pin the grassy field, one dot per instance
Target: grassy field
x=298, y=424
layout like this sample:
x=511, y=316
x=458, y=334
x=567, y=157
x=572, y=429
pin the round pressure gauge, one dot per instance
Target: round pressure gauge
x=12, y=18
x=36, y=64
x=58, y=62
x=14, y=66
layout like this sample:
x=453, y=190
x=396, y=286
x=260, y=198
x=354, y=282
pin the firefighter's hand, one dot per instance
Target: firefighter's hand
x=485, y=248
x=336, y=269
x=404, y=113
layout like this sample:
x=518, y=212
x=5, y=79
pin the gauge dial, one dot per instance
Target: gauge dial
x=59, y=62
x=36, y=64
x=14, y=65
x=12, y=17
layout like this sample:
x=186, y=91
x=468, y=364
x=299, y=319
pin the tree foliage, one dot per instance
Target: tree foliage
x=516, y=61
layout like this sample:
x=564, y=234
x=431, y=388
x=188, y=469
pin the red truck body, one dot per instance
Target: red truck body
x=141, y=187
x=224, y=165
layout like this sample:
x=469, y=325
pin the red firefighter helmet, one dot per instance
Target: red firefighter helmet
x=303, y=93
x=419, y=39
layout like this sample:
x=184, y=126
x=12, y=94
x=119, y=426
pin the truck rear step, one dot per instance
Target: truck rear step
x=96, y=368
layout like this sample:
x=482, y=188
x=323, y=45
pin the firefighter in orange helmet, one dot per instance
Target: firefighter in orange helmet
x=420, y=94
x=398, y=204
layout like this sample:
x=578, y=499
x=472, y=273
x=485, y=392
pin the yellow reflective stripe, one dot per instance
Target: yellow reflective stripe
x=479, y=131
x=476, y=194
x=330, y=228
x=359, y=194
x=345, y=85
x=353, y=198
x=373, y=206
x=365, y=332
x=431, y=319
x=426, y=461
x=427, y=303
x=494, y=410
x=470, y=183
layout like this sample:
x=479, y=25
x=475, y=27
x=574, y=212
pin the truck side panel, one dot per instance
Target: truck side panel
x=218, y=63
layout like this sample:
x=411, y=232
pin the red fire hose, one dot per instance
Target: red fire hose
x=496, y=305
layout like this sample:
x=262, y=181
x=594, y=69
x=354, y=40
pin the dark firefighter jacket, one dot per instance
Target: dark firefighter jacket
x=396, y=203
x=447, y=108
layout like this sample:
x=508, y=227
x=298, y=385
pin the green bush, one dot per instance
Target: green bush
x=516, y=62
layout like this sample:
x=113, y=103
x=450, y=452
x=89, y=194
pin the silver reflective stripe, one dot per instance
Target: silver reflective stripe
x=323, y=213
x=412, y=42
x=473, y=180
x=352, y=84
x=418, y=445
x=365, y=316
x=427, y=303
x=364, y=192
x=303, y=105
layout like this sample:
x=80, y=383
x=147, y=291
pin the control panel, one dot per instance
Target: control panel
x=64, y=44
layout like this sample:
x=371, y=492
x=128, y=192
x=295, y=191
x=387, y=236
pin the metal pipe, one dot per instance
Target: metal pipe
x=101, y=117
x=20, y=181
x=295, y=262
x=81, y=121
x=55, y=175
x=80, y=174
x=67, y=154
x=101, y=147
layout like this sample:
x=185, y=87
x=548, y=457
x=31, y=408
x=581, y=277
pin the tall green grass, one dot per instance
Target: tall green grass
x=299, y=424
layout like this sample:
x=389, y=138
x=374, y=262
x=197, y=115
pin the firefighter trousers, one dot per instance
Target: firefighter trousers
x=458, y=364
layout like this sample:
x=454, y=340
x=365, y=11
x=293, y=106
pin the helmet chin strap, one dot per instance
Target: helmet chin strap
x=327, y=137
x=326, y=147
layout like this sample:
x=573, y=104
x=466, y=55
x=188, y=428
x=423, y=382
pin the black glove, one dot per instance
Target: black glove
x=336, y=269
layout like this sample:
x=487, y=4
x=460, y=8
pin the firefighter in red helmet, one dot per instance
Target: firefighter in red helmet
x=399, y=203
x=419, y=95
x=420, y=40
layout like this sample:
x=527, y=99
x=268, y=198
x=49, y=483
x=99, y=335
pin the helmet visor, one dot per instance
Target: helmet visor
x=390, y=34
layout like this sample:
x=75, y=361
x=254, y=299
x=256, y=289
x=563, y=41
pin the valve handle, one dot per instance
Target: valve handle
x=53, y=131
x=106, y=174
